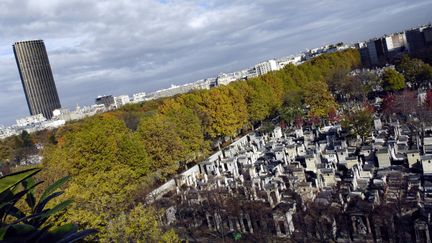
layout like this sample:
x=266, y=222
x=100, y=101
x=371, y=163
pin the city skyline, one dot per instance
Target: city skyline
x=87, y=64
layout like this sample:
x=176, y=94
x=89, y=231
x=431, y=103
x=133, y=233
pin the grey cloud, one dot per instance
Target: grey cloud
x=119, y=47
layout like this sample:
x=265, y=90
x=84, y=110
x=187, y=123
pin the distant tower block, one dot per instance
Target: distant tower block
x=36, y=77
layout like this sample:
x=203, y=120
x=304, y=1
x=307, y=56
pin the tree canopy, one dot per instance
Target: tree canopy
x=359, y=122
x=115, y=156
x=393, y=80
x=415, y=71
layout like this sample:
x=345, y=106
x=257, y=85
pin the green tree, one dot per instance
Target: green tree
x=6, y=151
x=98, y=144
x=290, y=113
x=259, y=103
x=296, y=74
x=240, y=106
x=194, y=101
x=131, y=119
x=101, y=197
x=293, y=108
x=425, y=76
x=107, y=161
x=25, y=140
x=359, y=122
x=393, y=80
x=24, y=146
x=313, y=72
x=163, y=143
x=415, y=71
x=331, y=64
x=139, y=225
x=188, y=126
x=277, y=88
x=225, y=114
x=319, y=100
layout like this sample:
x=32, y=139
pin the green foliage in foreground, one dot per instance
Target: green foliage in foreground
x=18, y=226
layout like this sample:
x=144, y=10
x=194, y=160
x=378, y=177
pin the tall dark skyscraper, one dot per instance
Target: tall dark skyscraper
x=36, y=77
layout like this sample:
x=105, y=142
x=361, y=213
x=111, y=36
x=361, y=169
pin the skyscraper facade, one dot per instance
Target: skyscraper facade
x=36, y=77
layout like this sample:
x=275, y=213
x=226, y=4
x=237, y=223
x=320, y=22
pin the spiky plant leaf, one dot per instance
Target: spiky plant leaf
x=11, y=180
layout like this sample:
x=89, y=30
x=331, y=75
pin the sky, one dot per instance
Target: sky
x=117, y=47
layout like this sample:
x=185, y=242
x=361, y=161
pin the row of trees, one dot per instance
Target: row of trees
x=116, y=158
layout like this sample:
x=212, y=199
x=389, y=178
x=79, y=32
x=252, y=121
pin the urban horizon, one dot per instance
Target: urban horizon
x=83, y=71
x=351, y=44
